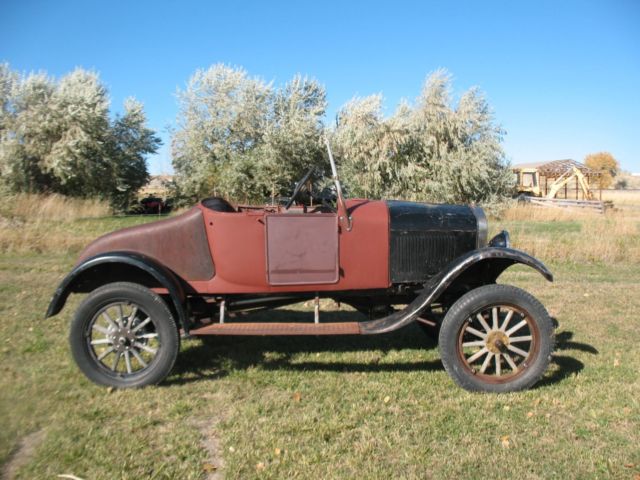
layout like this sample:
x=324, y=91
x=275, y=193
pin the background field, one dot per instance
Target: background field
x=379, y=407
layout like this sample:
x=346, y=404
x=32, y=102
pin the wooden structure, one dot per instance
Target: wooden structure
x=562, y=179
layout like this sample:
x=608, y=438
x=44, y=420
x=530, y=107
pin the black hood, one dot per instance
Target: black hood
x=425, y=237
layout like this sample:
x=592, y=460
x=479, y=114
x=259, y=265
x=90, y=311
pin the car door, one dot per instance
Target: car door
x=302, y=248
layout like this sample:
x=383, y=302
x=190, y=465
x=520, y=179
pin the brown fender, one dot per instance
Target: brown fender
x=488, y=262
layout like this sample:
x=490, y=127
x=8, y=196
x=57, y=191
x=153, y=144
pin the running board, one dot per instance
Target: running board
x=334, y=328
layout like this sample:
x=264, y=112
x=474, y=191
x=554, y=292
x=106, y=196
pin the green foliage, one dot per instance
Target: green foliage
x=240, y=137
x=433, y=151
x=129, y=141
x=606, y=164
x=57, y=137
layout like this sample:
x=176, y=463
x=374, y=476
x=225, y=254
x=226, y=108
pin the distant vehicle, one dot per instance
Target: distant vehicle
x=548, y=179
x=151, y=205
x=397, y=262
x=527, y=181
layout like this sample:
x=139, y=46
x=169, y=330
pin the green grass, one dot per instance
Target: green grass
x=345, y=407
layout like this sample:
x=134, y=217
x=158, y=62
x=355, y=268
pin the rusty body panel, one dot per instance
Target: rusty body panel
x=302, y=249
x=238, y=244
x=334, y=328
x=179, y=243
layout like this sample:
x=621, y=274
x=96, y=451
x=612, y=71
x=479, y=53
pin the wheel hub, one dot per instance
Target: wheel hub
x=122, y=339
x=497, y=341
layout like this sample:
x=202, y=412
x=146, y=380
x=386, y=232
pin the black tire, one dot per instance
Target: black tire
x=146, y=327
x=461, y=343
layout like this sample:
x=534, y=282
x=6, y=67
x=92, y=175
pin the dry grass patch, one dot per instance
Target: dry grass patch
x=555, y=234
x=33, y=208
x=55, y=223
x=622, y=198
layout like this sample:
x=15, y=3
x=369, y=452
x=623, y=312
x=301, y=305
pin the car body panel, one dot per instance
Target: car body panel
x=238, y=243
x=179, y=243
x=425, y=237
x=302, y=249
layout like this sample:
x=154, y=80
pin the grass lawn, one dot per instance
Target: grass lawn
x=346, y=407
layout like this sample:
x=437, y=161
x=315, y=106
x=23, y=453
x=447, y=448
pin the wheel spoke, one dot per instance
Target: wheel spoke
x=138, y=357
x=475, y=332
x=101, y=341
x=132, y=316
x=116, y=361
x=145, y=348
x=147, y=335
x=475, y=343
x=110, y=320
x=121, y=313
x=100, y=328
x=127, y=361
x=105, y=353
x=518, y=351
x=483, y=322
x=516, y=327
x=498, y=364
x=507, y=319
x=142, y=324
x=486, y=362
x=494, y=314
x=526, y=338
x=510, y=361
x=477, y=355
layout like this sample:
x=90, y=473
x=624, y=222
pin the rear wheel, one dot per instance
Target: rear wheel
x=123, y=335
x=496, y=338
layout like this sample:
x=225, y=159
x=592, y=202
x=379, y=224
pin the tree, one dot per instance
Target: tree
x=292, y=141
x=76, y=135
x=371, y=148
x=8, y=80
x=222, y=117
x=57, y=136
x=435, y=151
x=129, y=141
x=606, y=164
x=240, y=137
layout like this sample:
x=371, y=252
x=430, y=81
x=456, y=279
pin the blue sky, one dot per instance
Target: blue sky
x=563, y=77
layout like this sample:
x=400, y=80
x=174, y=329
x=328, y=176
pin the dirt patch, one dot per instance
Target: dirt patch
x=22, y=454
x=213, y=466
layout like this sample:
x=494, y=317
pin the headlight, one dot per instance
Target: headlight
x=483, y=228
x=501, y=240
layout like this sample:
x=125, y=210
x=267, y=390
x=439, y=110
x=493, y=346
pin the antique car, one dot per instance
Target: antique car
x=200, y=273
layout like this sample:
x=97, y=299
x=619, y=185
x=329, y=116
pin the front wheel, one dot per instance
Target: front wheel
x=123, y=335
x=496, y=338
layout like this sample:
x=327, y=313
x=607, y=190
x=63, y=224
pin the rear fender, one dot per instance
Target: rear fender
x=481, y=267
x=120, y=266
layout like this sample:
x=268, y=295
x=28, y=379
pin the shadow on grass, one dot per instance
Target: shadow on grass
x=566, y=365
x=215, y=356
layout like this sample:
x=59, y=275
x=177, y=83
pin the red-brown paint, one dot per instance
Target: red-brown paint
x=179, y=243
x=302, y=249
x=237, y=243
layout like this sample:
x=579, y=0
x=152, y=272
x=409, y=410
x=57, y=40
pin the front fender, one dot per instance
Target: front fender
x=488, y=263
x=89, y=272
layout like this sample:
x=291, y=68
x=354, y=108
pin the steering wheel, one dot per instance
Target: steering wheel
x=298, y=188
